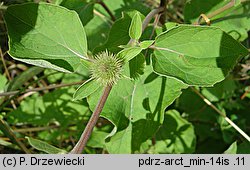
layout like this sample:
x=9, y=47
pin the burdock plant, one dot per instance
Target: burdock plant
x=178, y=56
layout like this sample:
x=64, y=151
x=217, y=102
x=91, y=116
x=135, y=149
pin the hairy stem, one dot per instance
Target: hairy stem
x=92, y=122
x=222, y=114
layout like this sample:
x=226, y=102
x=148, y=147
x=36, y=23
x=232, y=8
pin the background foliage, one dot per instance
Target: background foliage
x=140, y=116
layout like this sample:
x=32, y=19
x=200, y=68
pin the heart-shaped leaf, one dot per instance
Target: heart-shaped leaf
x=46, y=35
x=196, y=55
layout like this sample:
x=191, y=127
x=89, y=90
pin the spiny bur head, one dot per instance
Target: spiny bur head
x=106, y=68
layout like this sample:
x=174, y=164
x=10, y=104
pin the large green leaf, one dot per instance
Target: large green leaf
x=138, y=110
x=196, y=55
x=235, y=21
x=176, y=135
x=46, y=35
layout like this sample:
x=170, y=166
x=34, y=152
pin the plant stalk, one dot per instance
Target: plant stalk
x=79, y=147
